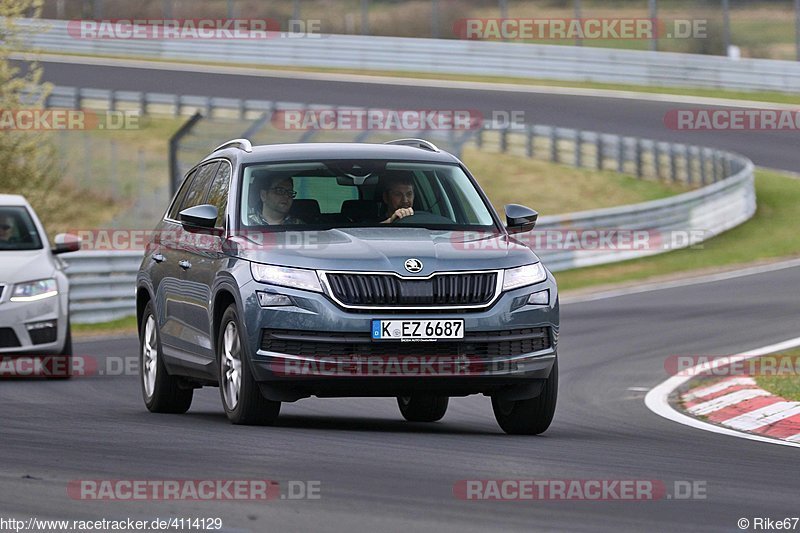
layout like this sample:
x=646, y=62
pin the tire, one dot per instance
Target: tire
x=241, y=398
x=532, y=416
x=162, y=393
x=423, y=408
x=64, y=357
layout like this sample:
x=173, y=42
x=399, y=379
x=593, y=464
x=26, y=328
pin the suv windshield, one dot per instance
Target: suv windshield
x=361, y=193
x=17, y=231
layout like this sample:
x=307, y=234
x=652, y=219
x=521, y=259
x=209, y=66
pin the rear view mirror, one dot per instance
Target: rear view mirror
x=202, y=216
x=519, y=218
x=65, y=243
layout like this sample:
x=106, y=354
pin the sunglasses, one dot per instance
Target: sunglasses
x=280, y=191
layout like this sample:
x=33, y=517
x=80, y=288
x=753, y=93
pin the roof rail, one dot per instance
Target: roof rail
x=242, y=144
x=416, y=143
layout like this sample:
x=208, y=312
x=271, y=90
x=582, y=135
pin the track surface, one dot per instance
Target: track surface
x=378, y=472
x=622, y=116
x=381, y=473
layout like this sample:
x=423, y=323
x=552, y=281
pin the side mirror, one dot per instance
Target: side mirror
x=201, y=216
x=519, y=218
x=65, y=243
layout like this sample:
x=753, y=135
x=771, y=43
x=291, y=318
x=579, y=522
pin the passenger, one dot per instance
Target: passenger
x=276, y=195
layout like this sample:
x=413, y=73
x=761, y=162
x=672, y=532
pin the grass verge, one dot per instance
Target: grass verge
x=552, y=189
x=783, y=384
x=121, y=326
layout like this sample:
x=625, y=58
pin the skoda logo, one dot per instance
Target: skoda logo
x=413, y=265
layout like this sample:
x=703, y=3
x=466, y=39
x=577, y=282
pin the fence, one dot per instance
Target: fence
x=516, y=60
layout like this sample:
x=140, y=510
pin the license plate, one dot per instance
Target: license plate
x=417, y=329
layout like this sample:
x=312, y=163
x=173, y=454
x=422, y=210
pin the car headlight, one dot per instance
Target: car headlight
x=34, y=290
x=297, y=278
x=514, y=278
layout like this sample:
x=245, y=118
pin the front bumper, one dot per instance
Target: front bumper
x=25, y=327
x=514, y=370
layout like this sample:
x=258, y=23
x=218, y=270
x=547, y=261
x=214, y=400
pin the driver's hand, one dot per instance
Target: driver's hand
x=401, y=213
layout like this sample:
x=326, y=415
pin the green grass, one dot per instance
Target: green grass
x=770, y=234
x=554, y=189
x=785, y=385
x=126, y=325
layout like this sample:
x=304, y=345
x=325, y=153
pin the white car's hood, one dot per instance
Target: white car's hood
x=28, y=265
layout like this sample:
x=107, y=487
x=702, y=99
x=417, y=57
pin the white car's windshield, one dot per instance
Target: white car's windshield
x=17, y=230
x=361, y=193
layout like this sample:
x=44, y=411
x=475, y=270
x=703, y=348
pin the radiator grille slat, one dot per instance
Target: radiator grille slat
x=337, y=344
x=8, y=339
x=388, y=290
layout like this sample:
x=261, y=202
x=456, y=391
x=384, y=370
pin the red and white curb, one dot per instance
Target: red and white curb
x=735, y=406
x=739, y=403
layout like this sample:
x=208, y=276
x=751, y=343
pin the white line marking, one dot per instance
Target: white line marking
x=267, y=72
x=794, y=438
x=657, y=400
x=717, y=387
x=749, y=271
x=639, y=389
x=764, y=416
x=726, y=401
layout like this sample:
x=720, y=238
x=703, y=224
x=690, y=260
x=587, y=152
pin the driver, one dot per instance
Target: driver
x=6, y=228
x=398, y=196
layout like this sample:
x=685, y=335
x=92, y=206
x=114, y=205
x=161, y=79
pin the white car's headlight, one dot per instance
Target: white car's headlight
x=34, y=290
x=297, y=278
x=514, y=278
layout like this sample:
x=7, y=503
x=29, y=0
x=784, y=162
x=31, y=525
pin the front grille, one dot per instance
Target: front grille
x=336, y=344
x=8, y=339
x=476, y=288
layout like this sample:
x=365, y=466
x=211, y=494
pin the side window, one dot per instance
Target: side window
x=176, y=203
x=199, y=188
x=218, y=193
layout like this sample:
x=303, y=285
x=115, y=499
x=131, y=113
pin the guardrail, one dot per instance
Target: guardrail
x=726, y=199
x=103, y=281
x=517, y=60
x=102, y=284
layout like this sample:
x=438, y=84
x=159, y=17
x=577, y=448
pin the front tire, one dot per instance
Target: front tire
x=243, y=402
x=532, y=416
x=162, y=393
x=64, y=358
x=423, y=408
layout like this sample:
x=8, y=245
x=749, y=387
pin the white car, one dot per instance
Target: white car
x=34, y=291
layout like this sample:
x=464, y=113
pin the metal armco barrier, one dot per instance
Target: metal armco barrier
x=518, y=60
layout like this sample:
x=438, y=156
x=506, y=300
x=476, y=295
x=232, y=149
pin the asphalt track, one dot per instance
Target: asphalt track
x=380, y=473
x=642, y=118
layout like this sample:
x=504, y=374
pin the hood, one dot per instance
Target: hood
x=385, y=249
x=28, y=265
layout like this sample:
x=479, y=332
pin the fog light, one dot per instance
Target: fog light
x=43, y=332
x=540, y=298
x=271, y=299
x=41, y=325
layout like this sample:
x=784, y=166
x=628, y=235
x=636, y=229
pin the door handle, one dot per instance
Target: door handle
x=184, y=264
x=158, y=258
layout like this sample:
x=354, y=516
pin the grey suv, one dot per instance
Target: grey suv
x=285, y=271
